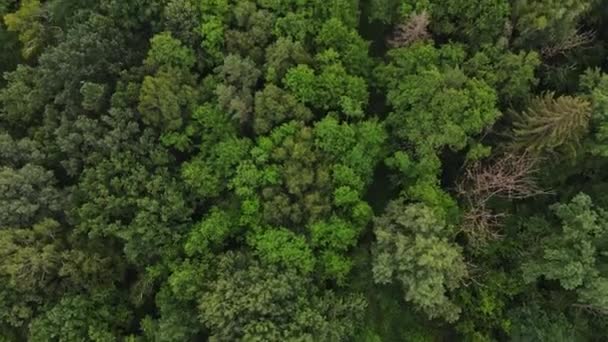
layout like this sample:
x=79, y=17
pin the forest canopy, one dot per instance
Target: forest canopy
x=303, y=170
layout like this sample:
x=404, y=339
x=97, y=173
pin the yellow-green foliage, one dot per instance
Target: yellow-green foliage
x=25, y=22
x=552, y=124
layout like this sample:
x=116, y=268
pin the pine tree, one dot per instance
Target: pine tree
x=551, y=124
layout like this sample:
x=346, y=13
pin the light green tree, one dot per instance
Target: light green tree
x=413, y=249
x=574, y=255
x=29, y=22
x=435, y=103
x=255, y=302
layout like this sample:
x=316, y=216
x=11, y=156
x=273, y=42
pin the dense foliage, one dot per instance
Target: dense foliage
x=311, y=170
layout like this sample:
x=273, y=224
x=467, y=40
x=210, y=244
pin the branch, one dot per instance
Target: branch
x=510, y=177
x=573, y=41
x=414, y=29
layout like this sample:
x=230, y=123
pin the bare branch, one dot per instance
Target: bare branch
x=573, y=41
x=510, y=177
x=414, y=29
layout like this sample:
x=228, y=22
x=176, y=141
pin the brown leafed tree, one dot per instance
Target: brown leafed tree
x=413, y=29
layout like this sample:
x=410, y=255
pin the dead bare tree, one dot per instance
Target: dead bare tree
x=413, y=29
x=575, y=40
x=481, y=225
x=509, y=176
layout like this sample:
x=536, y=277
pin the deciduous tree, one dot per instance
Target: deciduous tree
x=414, y=249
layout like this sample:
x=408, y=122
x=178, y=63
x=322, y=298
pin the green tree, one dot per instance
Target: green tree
x=309, y=181
x=332, y=89
x=9, y=56
x=573, y=255
x=552, y=124
x=165, y=99
x=39, y=263
x=16, y=153
x=169, y=96
x=513, y=75
x=214, y=18
x=251, y=31
x=92, y=50
x=183, y=170
x=534, y=323
x=29, y=22
x=98, y=317
x=413, y=249
x=547, y=22
x=282, y=55
x=178, y=319
x=474, y=22
x=28, y=194
x=594, y=85
x=435, y=104
x=92, y=96
x=383, y=11
x=131, y=194
x=134, y=15
x=166, y=51
x=235, y=94
x=146, y=210
x=219, y=148
x=31, y=260
x=352, y=50
x=283, y=247
x=182, y=18
x=21, y=99
x=274, y=106
x=251, y=301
